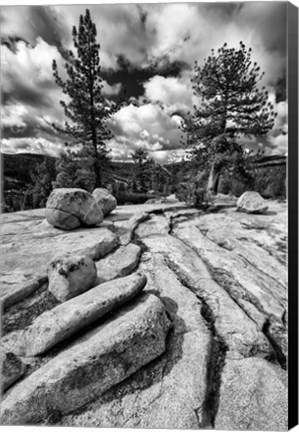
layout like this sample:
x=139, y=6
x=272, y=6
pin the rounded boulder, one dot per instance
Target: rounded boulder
x=251, y=202
x=71, y=275
x=68, y=208
x=105, y=200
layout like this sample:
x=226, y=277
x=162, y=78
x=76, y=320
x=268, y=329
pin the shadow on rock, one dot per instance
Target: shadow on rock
x=154, y=372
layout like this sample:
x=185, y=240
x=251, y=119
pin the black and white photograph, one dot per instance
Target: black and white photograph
x=144, y=226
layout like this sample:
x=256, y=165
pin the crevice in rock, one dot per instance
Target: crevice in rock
x=173, y=219
x=280, y=357
x=234, y=289
x=265, y=248
x=171, y=224
x=222, y=245
x=284, y=318
x=216, y=359
x=226, y=281
x=22, y=314
x=247, y=261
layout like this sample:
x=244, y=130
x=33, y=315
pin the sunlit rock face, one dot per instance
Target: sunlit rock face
x=185, y=321
x=252, y=202
x=68, y=208
x=106, y=201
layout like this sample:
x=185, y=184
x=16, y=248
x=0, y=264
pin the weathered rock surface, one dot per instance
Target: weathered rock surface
x=68, y=318
x=106, y=201
x=171, y=391
x=221, y=276
x=251, y=202
x=18, y=285
x=224, y=312
x=127, y=228
x=253, y=396
x=155, y=224
x=119, y=263
x=12, y=368
x=70, y=275
x=95, y=363
x=40, y=246
x=246, y=281
x=68, y=208
x=170, y=199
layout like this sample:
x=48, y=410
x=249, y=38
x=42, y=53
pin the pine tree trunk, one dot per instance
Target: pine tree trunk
x=98, y=179
x=96, y=167
x=213, y=180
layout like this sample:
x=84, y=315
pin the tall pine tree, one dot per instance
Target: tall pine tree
x=232, y=106
x=87, y=110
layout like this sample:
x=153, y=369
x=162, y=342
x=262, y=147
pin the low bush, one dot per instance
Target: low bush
x=130, y=197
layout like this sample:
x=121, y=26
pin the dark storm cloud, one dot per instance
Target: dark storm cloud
x=133, y=77
x=26, y=94
x=12, y=42
x=38, y=22
x=49, y=25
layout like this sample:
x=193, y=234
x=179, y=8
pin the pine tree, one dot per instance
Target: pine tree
x=232, y=105
x=88, y=110
x=141, y=173
x=42, y=177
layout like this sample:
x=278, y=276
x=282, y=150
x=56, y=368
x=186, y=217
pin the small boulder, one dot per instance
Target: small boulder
x=70, y=276
x=251, y=202
x=68, y=208
x=12, y=369
x=105, y=200
x=172, y=199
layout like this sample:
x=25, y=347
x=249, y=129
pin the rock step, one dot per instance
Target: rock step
x=226, y=315
x=92, y=365
x=39, y=252
x=126, y=228
x=170, y=392
x=119, y=264
x=16, y=286
x=71, y=316
x=253, y=284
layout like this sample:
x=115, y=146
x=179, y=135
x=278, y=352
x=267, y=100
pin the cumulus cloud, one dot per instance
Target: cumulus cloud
x=188, y=32
x=146, y=126
x=150, y=50
x=27, y=73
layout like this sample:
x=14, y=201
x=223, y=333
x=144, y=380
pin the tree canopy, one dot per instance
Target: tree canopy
x=232, y=105
x=87, y=109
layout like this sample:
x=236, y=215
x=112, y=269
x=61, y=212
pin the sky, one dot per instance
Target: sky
x=148, y=49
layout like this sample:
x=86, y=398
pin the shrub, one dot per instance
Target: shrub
x=130, y=197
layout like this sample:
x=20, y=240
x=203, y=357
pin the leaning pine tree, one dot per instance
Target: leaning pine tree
x=87, y=110
x=232, y=105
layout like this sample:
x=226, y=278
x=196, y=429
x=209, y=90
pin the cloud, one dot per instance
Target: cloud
x=109, y=90
x=146, y=126
x=27, y=73
x=170, y=91
x=31, y=23
x=31, y=145
x=188, y=32
x=150, y=49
